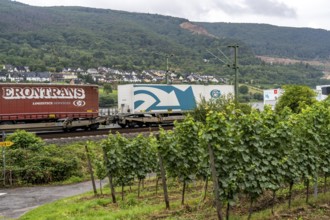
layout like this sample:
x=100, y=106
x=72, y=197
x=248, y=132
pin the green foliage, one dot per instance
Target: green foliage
x=167, y=150
x=219, y=132
x=278, y=74
x=204, y=107
x=106, y=101
x=244, y=107
x=31, y=161
x=88, y=79
x=258, y=96
x=141, y=156
x=97, y=159
x=296, y=98
x=312, y=128
x=270, y=40
x=97, y=37
x=107, y=88
x=113, y=147
x=254, y=151
x=254, y=160
x=25, y=140
x=56, y=37
x=243, y=89
x=189, y=152
x=128, y=159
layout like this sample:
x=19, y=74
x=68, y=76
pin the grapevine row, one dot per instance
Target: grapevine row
x=246, y=153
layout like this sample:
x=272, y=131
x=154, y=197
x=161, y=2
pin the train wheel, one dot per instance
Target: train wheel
x=131, y=124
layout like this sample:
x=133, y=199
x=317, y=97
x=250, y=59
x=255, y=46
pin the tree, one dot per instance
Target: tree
x=106, y=101
x=33, y=162
x=295, y=97
x=243, y=89
x=258, y=96
x=107, y=88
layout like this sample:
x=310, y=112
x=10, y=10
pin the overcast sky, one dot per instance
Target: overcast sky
x=292, y=13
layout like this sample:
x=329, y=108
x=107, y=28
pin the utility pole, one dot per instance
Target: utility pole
x=235, y=67
x=167, y=70
x=167, y=77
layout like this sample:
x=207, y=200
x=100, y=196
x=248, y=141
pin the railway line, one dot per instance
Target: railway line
x=77, y=136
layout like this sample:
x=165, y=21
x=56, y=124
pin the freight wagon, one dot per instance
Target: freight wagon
x=149, y=104
x=49, y=106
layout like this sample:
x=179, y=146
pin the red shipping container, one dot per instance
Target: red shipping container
x=47, y=101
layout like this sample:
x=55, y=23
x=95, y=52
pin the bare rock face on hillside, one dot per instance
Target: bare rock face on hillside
x=196, y=29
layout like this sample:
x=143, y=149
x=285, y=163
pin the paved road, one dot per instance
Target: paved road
x=15, y=202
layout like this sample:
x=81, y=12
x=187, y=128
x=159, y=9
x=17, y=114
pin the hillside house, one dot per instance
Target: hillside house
x=194, y=78
x=21, y=69
x=44, y=76
x=57, y=77
x=31, y=76
x=8, y=68
x=37, y=76
x=3, y=76
x=92, y=71
x=15, y=69
x=63, y=77
x=15, y=77
x=69, y=76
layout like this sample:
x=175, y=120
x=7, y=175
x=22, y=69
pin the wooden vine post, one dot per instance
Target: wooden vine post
x=90, y=169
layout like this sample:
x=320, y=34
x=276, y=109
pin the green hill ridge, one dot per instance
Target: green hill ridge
x=51, y=38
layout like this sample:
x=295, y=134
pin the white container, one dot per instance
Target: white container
x=271, y=96
x=139, y=98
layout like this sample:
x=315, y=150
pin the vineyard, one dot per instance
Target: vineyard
x=242, y=153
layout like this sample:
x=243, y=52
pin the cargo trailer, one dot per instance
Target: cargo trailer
x=35, y=106
x=146, y=104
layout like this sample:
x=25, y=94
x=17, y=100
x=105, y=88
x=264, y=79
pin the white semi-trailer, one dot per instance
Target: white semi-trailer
x=322, y=92
x=146, y=104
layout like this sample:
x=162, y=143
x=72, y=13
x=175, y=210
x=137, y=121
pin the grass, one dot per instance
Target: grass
x=317, y=208
x=253, y=89
x=151, y=206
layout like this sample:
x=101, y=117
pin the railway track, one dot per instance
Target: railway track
x=76, y=136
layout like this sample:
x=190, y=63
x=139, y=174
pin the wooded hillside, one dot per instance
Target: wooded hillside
x=56, y=37
x=270, y=40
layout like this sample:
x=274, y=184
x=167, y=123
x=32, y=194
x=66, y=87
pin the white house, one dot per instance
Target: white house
x=3, y=76
x=15, y=77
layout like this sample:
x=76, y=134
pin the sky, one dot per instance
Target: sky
x=290, y=13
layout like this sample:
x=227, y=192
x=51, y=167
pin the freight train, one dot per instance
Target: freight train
x=71, y=107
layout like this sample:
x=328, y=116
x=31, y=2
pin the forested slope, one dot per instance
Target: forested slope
x=270, y=40
x=51, y=38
